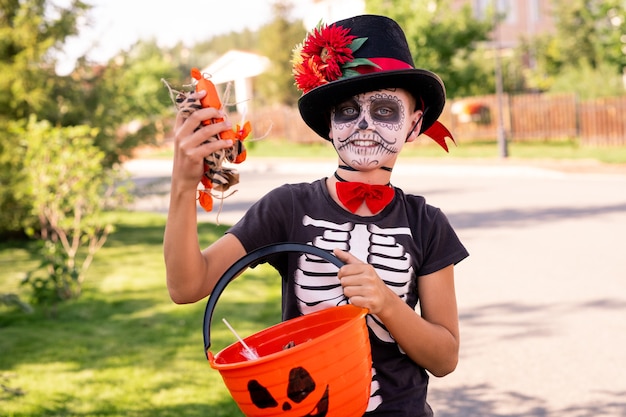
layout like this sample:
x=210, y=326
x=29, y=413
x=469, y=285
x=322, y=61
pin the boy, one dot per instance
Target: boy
x=363, y=94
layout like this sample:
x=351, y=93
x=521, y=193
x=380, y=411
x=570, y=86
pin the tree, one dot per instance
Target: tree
x=443, y=42
x=69, y=191
x=206, y=51
x=125, y=99
x=276, y=41
x=128, y=89
x=30, y=32
x=594, y=29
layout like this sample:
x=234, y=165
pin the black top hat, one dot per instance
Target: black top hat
x=376, y=56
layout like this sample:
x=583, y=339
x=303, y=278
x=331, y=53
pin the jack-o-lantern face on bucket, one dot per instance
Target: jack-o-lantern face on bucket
x=300, y=387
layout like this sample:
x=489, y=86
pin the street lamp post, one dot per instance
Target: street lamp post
x=503, y=151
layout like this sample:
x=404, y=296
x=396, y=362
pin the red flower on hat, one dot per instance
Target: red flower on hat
x=307, y=74
x=326, y=55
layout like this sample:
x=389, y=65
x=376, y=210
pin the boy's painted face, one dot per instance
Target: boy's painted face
x=369, y=129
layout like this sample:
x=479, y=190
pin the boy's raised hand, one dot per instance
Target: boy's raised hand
x=192, y=145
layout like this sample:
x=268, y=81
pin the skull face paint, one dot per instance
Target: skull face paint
x=369, y=129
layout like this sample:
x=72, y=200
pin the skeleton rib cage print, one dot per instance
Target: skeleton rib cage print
x=316, y=283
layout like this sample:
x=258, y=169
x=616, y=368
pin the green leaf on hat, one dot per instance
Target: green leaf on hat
x=349, y=73
x=358, y=62
x=356, y=44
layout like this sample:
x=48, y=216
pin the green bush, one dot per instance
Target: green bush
x=67, y=188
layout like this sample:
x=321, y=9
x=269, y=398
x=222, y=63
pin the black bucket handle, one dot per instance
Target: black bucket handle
x=243, y=263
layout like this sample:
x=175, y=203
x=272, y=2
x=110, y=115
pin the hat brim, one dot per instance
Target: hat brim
x=315, y=105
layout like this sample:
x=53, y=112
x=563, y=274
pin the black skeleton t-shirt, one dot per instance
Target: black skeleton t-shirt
x=407, y=239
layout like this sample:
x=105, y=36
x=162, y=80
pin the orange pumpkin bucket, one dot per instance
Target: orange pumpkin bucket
x=314, y=365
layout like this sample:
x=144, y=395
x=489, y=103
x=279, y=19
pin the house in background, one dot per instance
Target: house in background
x=238, y=67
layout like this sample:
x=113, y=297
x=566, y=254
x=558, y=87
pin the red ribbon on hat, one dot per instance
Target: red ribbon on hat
x=383, y=64
x=353, y=194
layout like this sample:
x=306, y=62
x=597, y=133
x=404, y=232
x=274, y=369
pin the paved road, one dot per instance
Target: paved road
x=542, y=297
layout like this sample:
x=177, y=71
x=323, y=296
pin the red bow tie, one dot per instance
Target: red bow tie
x=352, y=195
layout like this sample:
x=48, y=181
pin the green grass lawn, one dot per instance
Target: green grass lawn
x=425, y=148
x=123, y=348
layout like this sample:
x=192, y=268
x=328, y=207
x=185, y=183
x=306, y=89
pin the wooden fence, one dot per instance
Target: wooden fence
x=541, y=117
x=532, y=117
